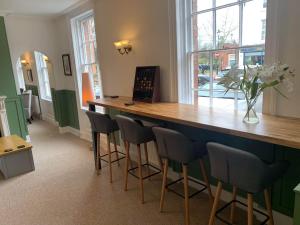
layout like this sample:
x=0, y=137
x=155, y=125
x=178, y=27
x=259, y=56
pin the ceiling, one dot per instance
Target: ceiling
x=37, y=7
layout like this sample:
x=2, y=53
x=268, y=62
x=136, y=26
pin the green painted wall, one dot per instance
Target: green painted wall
x=14, y=105
x=65, y=108
x=297, y=206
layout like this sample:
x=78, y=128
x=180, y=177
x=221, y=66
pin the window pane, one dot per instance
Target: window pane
x=203, y=31
x=251, y=56
x=223, y=61
x=201, y=76
x=224, y=2
x=254, y=27
x=199, y=5
x=228, y=27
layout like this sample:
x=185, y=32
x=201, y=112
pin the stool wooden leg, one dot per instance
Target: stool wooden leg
x=109, y=158
x=116, y=149
x=186, y=195
x=232, y=210
x=216, y=203
x=98, y=157
x=164, y=183
x=204, y=174
x=269, y=206
x=126, y=144
x=159, y=159
x=147, y=159
x=250, y=209
x=140, y=173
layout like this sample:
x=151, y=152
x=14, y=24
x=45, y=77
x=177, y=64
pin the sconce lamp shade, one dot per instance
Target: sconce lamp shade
x=123, y=46
x=87, y=89
x=23, y=61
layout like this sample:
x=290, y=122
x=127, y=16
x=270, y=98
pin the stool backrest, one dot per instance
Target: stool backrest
x=174, y=145
x=237, y=167
x=101, y=123
x=133, y=130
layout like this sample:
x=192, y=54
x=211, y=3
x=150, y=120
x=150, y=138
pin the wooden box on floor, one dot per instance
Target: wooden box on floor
x=15, y=156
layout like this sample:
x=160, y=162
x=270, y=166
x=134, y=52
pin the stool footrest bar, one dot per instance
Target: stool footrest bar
x=241, y=203
x=190, y=179
x=150, y=175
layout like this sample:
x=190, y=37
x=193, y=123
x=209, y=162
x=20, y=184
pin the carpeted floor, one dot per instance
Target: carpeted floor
x=65, y=190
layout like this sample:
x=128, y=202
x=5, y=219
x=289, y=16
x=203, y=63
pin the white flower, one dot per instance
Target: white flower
x=289, y=85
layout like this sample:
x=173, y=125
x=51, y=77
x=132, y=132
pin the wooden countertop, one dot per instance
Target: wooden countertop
x=272, y=129
x=12, y=142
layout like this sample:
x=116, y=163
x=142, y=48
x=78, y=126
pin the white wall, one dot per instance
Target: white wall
x=146, y=24
x=28, y=34
x=288, y=50
x=65, y=45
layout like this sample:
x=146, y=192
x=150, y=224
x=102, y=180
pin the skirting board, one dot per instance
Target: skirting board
x=50, y=119
x=71, y=130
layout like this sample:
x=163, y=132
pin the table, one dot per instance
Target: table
x=271, y=129
x=15, y=156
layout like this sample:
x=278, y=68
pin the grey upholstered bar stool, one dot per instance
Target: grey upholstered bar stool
x=103, y=124
x=133, y=131
x=173, y=145
x=246, y=172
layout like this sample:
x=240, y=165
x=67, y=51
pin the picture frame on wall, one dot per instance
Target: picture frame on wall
x=67, y=64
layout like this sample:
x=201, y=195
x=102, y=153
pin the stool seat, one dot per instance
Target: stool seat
x=243, y=169
x=173, y=145
x=135, y=131
x=102, y=123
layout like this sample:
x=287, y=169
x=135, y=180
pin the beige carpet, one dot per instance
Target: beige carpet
x=64, y=189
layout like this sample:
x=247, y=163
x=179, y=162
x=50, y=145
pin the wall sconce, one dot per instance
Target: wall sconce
x=24, y=62
x=123, y=47
x=46, y=58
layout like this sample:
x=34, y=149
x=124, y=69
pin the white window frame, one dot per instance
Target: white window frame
x=184, y=47
x=43, y=76
x=20, y=74
x=78, y=52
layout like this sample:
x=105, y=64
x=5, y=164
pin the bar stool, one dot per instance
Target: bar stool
x=246, y=172
x=134, y=132
x=103, y=124
x=173, y=145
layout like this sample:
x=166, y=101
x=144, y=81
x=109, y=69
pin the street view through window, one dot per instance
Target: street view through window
x=225, y=34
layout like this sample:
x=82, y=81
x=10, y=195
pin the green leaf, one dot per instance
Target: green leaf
x=254, y=90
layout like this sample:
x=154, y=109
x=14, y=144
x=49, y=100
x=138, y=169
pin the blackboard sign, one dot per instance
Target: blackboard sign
x=146, y=84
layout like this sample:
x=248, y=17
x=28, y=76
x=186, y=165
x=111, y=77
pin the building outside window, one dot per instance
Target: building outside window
x=43, y=76
x=85, y=46
x=223, y=34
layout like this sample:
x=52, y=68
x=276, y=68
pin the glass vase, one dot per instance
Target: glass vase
x=251, y=117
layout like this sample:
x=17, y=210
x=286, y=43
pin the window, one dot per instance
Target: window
x=20, y=74
x=43, y=76
x=263, y=29
x=222, y=34
x=85, y=47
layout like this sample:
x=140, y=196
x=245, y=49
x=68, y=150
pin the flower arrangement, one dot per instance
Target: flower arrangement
x=252, y=81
